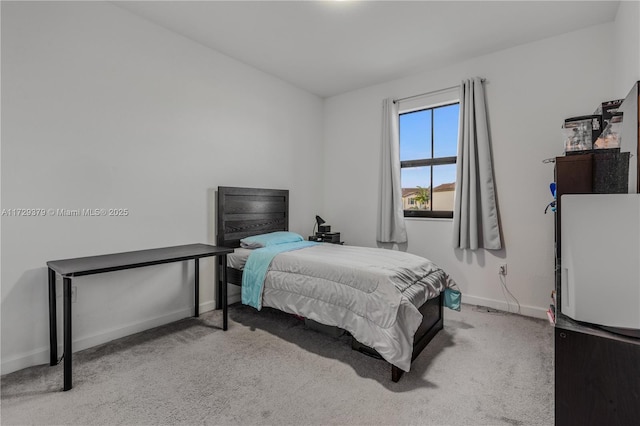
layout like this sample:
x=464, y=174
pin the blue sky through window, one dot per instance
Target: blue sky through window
x=415, y=135
x=415, y=143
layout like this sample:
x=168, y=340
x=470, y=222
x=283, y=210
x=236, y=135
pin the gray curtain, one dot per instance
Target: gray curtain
x=475, y=215
x=391, y=228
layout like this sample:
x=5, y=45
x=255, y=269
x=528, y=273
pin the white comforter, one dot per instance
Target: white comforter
x=372, y=293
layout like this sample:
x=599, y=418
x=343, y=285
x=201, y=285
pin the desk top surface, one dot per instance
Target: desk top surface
x=133, y=259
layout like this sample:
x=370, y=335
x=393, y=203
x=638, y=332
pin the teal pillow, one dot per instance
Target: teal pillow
x=271, y=239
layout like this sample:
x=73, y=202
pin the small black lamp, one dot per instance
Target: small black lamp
x=322, y=229
x=319, y=222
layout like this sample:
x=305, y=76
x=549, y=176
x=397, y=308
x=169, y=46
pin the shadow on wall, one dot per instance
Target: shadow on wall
x=478, y=256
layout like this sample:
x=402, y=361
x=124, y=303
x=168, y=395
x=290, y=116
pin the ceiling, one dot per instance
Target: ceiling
x=332, y=47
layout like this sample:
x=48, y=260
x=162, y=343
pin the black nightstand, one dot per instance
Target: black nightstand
x=326, y=238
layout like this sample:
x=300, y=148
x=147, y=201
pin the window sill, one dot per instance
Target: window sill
x=429, y=219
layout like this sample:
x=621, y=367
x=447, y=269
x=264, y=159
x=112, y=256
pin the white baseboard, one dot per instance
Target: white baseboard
x=207, y=306
x=41, y=355
x=24, y=360
x=529, y=311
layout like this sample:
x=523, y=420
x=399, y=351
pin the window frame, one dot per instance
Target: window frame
x=430, y=162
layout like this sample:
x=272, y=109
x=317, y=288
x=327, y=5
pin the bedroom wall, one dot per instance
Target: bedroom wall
x=101, y=109
x=531, y=89
x=627, y=48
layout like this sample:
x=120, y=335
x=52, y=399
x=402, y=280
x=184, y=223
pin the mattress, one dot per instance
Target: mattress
x=238, y=258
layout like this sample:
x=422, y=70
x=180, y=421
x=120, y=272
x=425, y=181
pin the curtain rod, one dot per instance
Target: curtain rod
x=433, y=92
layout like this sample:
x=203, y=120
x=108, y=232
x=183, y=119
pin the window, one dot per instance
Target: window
x=428, y=150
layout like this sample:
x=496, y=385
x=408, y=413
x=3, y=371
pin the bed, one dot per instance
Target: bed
x=390, y=302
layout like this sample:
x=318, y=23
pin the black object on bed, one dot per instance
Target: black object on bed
x=245, y=212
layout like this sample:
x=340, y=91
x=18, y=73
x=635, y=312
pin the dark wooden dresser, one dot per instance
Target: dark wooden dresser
x=597, y=376
x=597, y=372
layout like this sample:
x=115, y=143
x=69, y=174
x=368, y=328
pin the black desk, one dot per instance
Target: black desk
x=69, y=268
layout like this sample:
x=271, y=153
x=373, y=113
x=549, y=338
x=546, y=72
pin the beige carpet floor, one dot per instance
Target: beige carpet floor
x=484, y=368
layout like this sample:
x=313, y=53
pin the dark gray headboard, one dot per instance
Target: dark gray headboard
x=243, y=212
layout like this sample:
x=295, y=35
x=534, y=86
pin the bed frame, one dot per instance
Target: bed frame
x=244, y=212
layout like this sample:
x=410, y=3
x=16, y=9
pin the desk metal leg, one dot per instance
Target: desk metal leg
x=197, y=289
x=53, y=323
x=67, y=333
x=223, y=295
x=219, y=283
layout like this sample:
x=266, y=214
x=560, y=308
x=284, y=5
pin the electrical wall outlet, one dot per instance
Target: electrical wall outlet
x=502, y=269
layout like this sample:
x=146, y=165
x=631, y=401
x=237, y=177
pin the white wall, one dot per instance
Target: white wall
x=531, y=89
x=626, y=65
x=626, y=73
x=101, y=109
